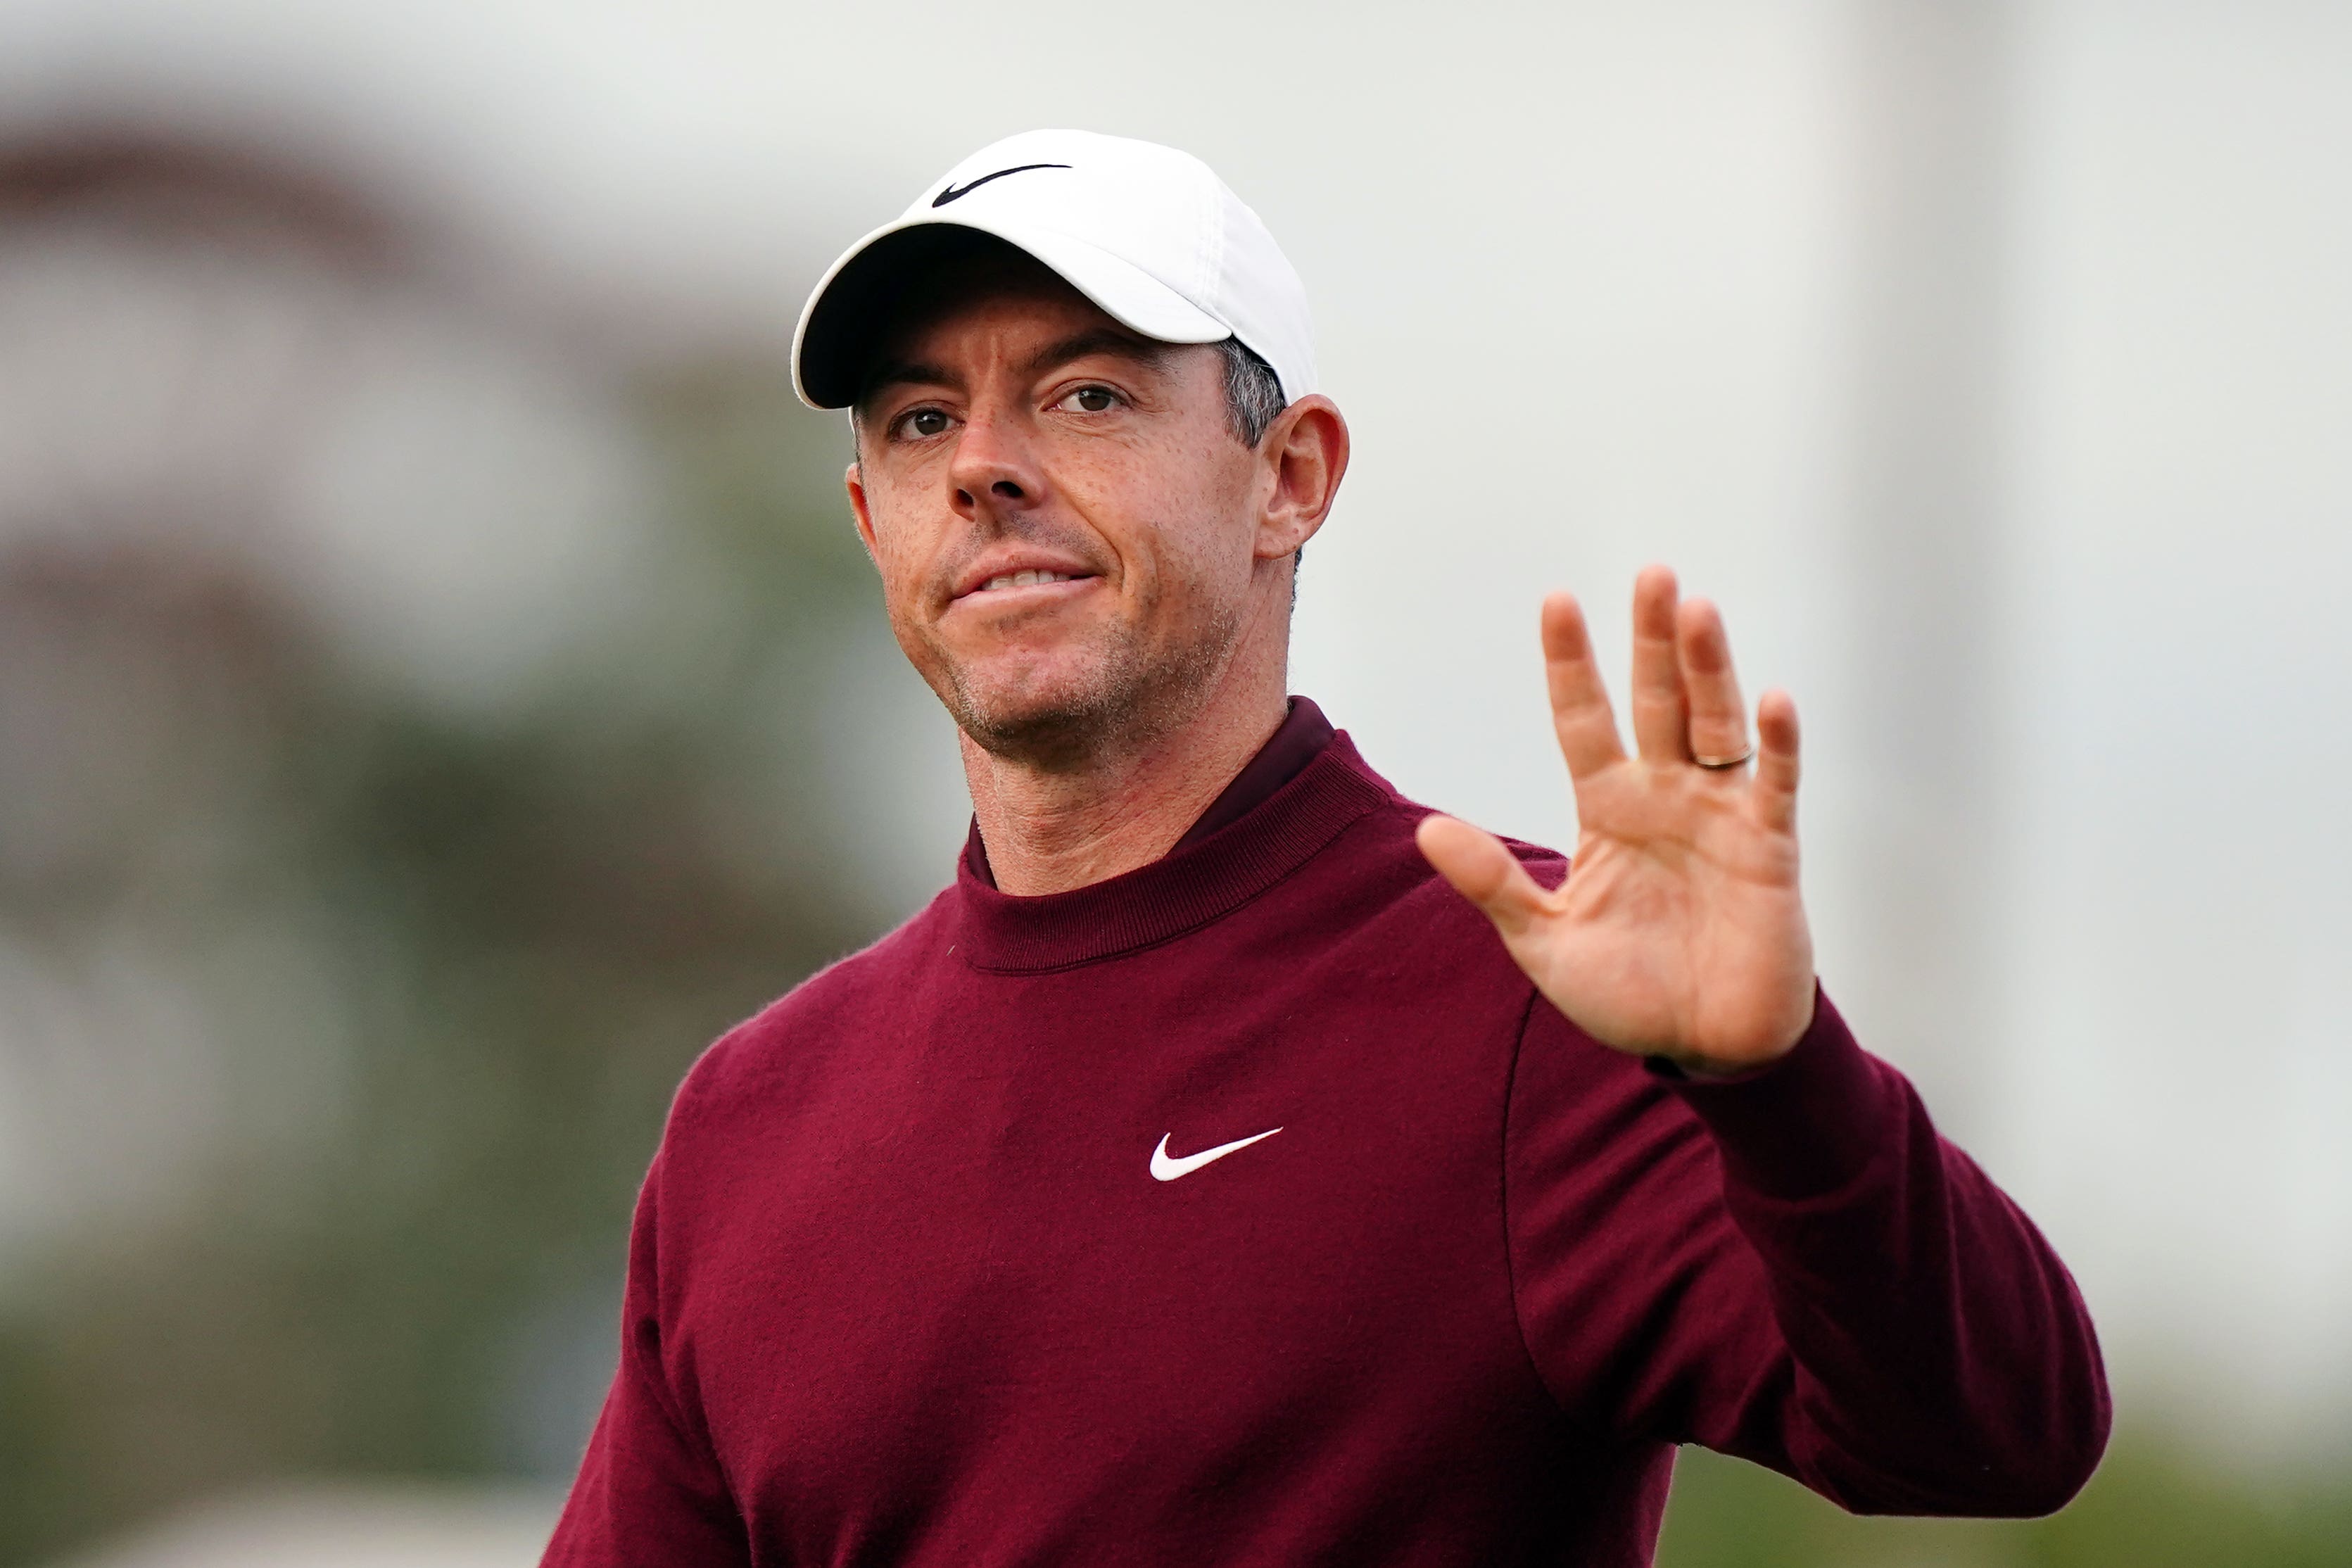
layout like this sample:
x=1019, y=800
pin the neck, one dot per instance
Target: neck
x=1129, y=800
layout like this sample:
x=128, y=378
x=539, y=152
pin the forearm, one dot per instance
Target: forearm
x=1943, y=1361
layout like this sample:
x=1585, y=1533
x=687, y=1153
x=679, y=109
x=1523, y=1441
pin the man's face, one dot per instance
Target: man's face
x=1064, y=523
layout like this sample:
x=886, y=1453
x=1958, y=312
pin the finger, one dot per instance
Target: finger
x=1581, y=714
x=1483, y=871
x=1659, y=726
x=1718, y=720
x=1776, y=761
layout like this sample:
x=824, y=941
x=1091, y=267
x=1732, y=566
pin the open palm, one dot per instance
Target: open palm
x=1679, y=931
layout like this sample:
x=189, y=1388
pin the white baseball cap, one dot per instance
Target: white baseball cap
x=1148, y=233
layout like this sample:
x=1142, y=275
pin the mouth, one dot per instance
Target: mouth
x=1033, y=583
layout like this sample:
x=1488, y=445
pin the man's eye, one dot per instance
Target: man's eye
x=1092, y=399
x=925, y=422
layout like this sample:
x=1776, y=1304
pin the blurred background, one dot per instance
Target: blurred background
x=440, y=690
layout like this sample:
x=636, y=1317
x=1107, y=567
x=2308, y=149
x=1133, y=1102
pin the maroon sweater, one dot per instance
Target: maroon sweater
x=921, y=1274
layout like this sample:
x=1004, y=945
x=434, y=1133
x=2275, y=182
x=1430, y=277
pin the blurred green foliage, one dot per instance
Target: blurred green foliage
x=2148, y=1506
x=515, y=933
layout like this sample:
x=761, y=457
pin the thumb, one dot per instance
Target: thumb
x=1483, y=871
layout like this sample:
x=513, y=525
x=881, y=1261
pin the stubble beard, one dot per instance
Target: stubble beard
x=1133, y=695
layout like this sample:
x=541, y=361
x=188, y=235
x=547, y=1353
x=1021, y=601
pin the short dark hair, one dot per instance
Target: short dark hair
x=1253, y=392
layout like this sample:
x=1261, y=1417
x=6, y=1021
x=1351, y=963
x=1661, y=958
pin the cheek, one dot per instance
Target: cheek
x=904, y=542
x=1178, y=514
x=1209, y=540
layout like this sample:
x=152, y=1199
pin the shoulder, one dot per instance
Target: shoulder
x=1393, y=914
x=1382, y=842
x=765, y=1055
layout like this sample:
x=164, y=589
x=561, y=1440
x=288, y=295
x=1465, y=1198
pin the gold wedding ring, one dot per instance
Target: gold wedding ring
x=1719, y=764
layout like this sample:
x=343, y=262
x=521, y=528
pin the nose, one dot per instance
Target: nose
x=994, y=471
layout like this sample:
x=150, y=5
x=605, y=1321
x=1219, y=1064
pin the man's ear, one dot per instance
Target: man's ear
x=855, y=482
x=1305, y=456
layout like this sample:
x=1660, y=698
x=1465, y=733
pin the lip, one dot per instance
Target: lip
x=976, y=579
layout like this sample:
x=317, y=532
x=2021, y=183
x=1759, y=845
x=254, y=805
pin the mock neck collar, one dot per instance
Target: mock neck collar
x=1197, y=882
x=1297, y=741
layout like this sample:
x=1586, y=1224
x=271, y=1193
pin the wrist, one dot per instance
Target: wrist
x=1700, y=1068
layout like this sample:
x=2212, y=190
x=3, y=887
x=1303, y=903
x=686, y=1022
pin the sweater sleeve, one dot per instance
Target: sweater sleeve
x=649, y=1488
x=1794, y=1268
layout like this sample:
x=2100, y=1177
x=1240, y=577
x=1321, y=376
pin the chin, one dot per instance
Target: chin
x=1054, y=701
x=1053, y=711
x=1037, y=720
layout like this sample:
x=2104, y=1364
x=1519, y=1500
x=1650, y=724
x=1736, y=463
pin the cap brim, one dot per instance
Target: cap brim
x=858, y=297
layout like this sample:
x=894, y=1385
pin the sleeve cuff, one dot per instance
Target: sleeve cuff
x=1807, y=1124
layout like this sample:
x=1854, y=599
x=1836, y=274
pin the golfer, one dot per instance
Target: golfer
x=1239, y=1164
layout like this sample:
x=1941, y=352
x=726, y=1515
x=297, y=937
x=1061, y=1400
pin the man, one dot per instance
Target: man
x=1199, y=1178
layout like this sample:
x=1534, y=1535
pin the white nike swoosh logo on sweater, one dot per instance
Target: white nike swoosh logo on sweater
x=1164, y=1169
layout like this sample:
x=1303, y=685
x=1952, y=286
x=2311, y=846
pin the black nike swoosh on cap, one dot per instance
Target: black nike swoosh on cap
x=955, y=193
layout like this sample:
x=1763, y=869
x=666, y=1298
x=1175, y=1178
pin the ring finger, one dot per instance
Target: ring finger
x=1719, y=719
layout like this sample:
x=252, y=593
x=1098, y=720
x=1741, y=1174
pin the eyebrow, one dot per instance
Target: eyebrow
x=1110, y=340
x=902, y=373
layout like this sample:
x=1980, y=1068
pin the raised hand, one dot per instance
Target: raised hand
x=1679, y=931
